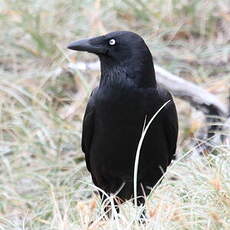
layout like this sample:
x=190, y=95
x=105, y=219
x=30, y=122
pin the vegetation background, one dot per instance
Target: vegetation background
x=43, y=180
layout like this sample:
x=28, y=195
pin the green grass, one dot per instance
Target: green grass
x=43, y=180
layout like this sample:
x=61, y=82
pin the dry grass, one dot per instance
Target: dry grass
x=43, y=180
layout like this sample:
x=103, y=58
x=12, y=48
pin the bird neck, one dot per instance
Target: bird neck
x=141, y=75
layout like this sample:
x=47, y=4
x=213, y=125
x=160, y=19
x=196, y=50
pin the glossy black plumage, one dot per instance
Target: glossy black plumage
x=116, y=112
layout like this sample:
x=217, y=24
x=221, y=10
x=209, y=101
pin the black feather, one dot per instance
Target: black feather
x=115, y=115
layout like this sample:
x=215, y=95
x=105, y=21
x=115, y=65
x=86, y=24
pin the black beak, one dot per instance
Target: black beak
x=87, y=45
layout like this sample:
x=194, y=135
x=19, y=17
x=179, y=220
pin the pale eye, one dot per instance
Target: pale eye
x=112, y=42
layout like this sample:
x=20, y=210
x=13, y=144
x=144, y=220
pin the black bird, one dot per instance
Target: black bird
x=114, y=118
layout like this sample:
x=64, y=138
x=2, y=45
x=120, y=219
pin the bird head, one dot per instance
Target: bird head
x=120, y=49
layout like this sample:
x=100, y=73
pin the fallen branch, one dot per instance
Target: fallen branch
x=198, y=97
x=195, y=95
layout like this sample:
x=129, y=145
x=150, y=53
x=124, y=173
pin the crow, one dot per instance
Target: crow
x=126, y=98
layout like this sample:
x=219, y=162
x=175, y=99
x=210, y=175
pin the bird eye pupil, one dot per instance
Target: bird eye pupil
x=112, y=42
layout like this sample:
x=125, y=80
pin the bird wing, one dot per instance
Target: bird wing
x=170, y=124
x=88, y=128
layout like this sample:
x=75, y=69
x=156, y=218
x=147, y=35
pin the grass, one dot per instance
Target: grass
x=43, y=180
